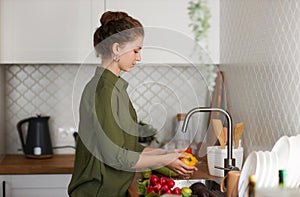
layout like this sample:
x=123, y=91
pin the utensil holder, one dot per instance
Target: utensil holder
x=216, y=156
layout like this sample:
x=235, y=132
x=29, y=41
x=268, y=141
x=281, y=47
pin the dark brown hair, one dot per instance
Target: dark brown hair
x=112, y=30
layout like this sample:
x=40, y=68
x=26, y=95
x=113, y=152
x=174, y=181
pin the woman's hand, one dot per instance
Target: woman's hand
x=180, y=167
x=152, y=157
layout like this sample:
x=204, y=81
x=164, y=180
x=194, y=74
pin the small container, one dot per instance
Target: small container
x=216, y=156
x=251, y=186
x=282, y=175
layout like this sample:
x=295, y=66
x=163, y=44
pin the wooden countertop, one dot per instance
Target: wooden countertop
x=20, y=164
x=63, y=164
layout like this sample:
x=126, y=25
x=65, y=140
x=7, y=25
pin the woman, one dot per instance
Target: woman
x=108, y=153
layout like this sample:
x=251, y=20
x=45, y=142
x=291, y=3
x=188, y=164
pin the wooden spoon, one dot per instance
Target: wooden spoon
x=219, y=132
x=238, y=131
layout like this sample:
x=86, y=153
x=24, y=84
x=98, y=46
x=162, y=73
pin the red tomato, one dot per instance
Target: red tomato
x=169, y=191
x=176, y=191
x=150, y=190
x=165, y=188
x=153, y=179
x=163, y=180
x=157, y=186
x=171, y=183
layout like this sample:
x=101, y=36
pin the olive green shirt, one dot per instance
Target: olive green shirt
x=107, y=146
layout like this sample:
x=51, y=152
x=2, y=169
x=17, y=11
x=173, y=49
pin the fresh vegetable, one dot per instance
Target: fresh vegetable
x=165, y=171
x=187, y=190
x=146, y=173
x=188, y=150
x=143, y=185
x=153, y=179
x=150, y=190
x=200, y=189
x=176, y=191
x=163, y=180
x=155, y=186
x=191, y=160
x=165, y=188
x=171, y=183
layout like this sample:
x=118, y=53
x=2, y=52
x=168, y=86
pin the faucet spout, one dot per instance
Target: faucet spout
x=230, y=161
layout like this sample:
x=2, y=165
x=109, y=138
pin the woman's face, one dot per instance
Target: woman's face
x=130, y=54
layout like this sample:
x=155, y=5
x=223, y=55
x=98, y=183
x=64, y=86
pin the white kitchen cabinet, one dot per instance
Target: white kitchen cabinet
x=35, y=185
x=169, y=38
x=61, y=31
x=44, y=31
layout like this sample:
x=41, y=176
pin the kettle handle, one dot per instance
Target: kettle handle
x=19, y=127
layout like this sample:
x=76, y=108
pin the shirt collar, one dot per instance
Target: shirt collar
x=119, y=82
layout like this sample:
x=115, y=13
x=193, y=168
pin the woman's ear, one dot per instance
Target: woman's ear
x=116, y=49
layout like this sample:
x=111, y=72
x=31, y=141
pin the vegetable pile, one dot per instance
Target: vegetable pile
x=156, y=186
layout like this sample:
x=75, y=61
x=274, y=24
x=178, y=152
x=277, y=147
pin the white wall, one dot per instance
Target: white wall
x=2, y=112
x=260, y=55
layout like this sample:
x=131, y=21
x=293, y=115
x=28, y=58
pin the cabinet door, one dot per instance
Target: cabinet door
x=5, y=187
x=43, y=31
x=40, y=185
x=169, y=38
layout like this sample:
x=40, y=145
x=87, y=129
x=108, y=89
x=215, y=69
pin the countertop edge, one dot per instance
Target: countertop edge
x=20, y=164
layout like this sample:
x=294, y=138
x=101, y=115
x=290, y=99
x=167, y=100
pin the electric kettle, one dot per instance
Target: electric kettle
x=38, y=142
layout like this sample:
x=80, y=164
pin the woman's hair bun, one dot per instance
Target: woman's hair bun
x=112, y=16
x=109, y=32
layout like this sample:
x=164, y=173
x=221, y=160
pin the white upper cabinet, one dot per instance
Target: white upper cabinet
x=61, y=31
x=169, y=39
x=44, y=31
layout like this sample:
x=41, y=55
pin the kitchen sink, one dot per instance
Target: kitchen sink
x=213, y=185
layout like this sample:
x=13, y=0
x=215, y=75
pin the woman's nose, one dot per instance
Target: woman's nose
x=138, y=57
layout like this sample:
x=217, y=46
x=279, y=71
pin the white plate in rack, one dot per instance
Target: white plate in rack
x=249, y=168
x=267, y=169
x=261, y=169
x=282, y=149
x=298, y=148
x=273, y=173
x=294, y=163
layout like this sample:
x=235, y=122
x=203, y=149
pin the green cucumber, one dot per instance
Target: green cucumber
x=166, y=171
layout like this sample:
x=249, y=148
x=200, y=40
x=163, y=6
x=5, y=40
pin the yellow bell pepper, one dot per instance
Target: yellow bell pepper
x=191, y=160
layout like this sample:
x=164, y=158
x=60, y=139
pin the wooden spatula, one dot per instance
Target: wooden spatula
x=219, y=132
x=238, y=131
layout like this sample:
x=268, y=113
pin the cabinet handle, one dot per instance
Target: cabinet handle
x=3, y=188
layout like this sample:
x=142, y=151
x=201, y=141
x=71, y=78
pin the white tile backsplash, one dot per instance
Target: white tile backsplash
x=158, y=94
x=260, y=57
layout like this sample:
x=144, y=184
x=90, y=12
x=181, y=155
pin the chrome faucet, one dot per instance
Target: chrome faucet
x=229, y=162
